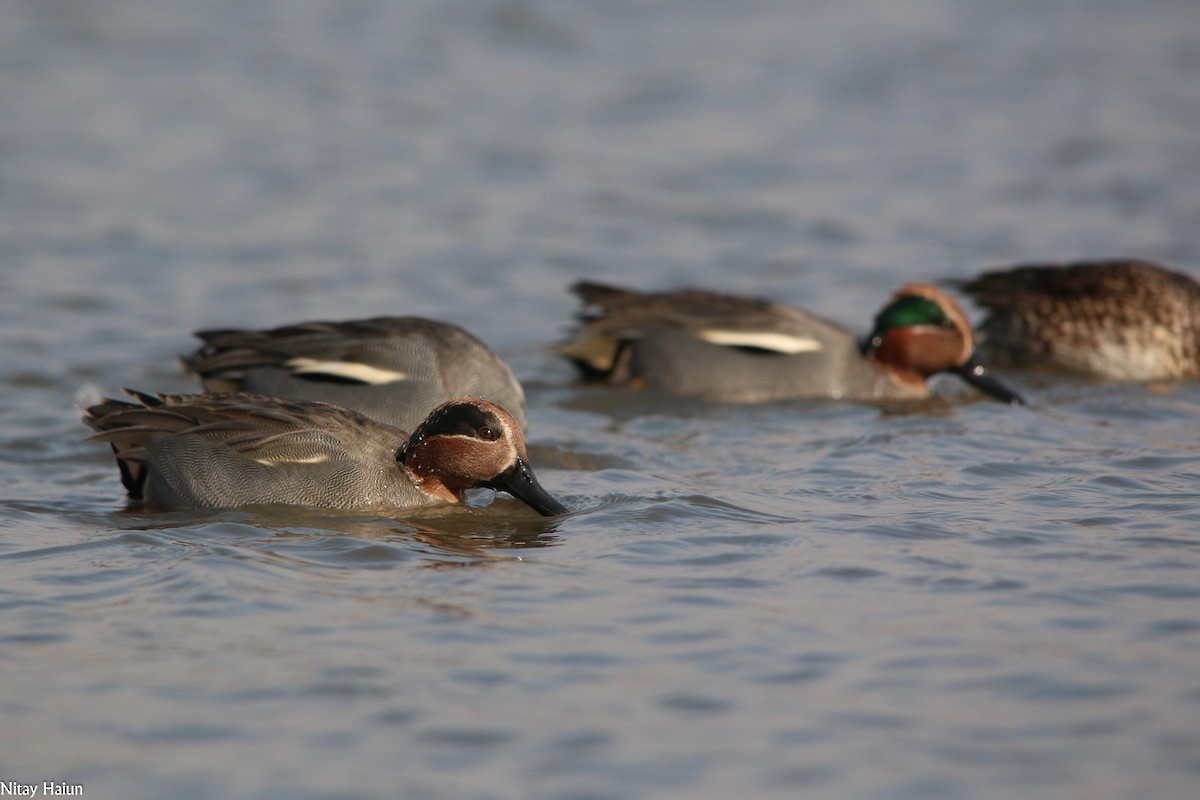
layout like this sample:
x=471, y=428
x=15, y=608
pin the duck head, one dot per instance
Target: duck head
x=470, y=443
x=922, y=332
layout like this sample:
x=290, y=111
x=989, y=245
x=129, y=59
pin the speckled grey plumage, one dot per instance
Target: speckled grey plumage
x=440, y=361
x=220, y=451
x=666, y=360
x=229, y=450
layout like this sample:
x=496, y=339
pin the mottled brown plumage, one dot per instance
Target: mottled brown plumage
x=1121, y=319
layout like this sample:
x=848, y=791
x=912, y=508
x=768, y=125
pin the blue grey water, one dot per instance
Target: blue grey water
x=795, y=600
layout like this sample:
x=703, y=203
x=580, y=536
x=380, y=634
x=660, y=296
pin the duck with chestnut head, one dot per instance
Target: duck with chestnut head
x=229, y=450
x=730, y=348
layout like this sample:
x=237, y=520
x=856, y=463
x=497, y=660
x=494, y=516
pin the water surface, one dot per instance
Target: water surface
x=957, y=600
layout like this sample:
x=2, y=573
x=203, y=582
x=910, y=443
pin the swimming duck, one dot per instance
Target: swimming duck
x=741, y=349
x=228, y=450
x=1122, y=319
x=393, y=369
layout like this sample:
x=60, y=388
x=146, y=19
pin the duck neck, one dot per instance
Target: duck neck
x=420, y=465
x=435, y=488
x=909, y=379
x=889, y=354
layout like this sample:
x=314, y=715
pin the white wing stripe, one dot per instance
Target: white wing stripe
x=763, y=340
x=275, y=462
x=345, y=369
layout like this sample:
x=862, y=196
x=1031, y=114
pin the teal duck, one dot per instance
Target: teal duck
x=393, y=369
x=1121, y=319
x=229, y=450
x=741, y=349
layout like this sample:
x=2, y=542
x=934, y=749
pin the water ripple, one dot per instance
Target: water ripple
x=950, y=598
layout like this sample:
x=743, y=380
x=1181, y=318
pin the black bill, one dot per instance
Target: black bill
x=522, y=484
x=978, y=376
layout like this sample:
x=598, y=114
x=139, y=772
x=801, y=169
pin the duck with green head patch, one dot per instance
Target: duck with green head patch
x=742, y=349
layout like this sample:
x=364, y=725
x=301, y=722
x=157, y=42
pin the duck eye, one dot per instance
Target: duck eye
x=486, y=433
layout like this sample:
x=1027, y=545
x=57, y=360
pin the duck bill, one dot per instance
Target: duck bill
x=522, y=484
x=978, y=376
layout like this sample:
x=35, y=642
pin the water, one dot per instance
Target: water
x=793, y=600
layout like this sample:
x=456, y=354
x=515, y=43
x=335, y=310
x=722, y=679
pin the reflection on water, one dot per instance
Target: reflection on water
x=459, y=534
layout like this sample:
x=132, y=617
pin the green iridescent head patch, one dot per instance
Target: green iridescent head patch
x=907, y=312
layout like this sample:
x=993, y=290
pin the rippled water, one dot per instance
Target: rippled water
x=960, y=600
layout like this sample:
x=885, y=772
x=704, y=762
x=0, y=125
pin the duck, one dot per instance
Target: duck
x=208, y=451
x=730, y=348
x=1116, y=319
x=392, y=369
